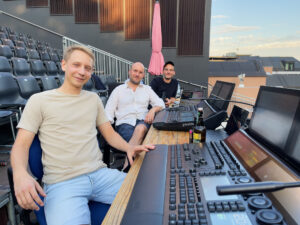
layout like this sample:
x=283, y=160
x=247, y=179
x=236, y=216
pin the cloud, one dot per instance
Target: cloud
x=229, y=28
x=298, y=32
x=274, y=45
x=219, y=17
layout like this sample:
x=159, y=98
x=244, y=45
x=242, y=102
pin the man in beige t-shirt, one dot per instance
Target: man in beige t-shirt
x=65, y=120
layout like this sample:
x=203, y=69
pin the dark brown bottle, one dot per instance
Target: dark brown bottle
x=200, y=129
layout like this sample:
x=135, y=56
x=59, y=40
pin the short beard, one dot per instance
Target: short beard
x=132, y=81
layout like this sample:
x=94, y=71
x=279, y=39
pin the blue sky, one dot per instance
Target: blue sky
x=256, y=27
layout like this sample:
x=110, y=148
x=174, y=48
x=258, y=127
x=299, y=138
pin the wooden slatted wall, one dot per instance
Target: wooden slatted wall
x=168, y=14
x=191, y=27
x=36, y=3
x=111, y=15
x=86, y=11
x=137, y=19
x=61, y=7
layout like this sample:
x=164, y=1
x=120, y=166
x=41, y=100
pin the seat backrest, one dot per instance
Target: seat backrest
x=9, y=43
x=51, y=68
x=3, y=35
x=89, y=85
x=44, y=56
x=20, y=44
x=6, y=51
x=9, y=90
x=20, y=67
x=37, y=68
x=28, y=86
x=35, y=158
x=20, y=52
x=54, y=57
x=98, y=82
x=33, y=54
x=49, y=83
x=4, y=65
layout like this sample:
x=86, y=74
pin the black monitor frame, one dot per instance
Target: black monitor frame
x=218, y=89
x=284, y=152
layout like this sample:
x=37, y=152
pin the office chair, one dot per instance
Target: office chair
x=98, y=210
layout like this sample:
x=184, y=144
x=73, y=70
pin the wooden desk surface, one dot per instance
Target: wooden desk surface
x=115, y=214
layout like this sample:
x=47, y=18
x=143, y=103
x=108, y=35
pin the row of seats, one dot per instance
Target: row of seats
x=20, y=52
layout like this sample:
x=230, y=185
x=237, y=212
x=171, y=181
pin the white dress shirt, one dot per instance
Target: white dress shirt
x=128, y=105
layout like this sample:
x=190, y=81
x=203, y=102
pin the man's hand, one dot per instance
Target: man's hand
x=26, y=191
x=168, y=102
x=136, y=149
x=150, y=116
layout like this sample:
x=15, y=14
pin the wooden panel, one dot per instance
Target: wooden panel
x=86, y=11
x=168, y=9
x=61, y=7
x=191, y=27
x=137, y=19
x=36, y=3
x=111, y=15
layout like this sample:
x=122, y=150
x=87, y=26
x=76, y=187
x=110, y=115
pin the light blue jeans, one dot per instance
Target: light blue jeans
x=67, y=201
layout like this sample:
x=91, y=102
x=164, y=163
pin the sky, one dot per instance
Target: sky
x=255, y=27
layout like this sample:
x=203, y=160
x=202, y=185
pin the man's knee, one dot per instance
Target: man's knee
x=141, y=129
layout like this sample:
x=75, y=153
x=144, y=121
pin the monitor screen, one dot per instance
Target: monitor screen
x=237, y=119
x=276, y=122
x=222, y=91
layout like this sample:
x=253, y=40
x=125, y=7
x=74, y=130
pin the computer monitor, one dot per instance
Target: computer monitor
x=221, y=91
x=276, y=122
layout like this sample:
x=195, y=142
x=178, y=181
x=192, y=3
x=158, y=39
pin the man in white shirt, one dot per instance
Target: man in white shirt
x=129, y=104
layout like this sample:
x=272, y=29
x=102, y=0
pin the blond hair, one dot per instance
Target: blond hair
x=71, y=49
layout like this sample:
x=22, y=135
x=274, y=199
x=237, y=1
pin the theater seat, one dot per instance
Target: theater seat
x=6, y=51
x=39, y=71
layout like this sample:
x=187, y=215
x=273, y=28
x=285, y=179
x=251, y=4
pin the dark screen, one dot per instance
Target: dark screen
x=276, y=120
x=221, y=91
x=236, y=120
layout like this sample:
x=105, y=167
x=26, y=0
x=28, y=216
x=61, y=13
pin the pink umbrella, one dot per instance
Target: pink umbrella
x=157, y=59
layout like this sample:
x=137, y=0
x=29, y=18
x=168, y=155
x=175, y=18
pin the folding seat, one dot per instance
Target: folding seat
x=27, y=83
x=21, y=53
x=3, y=35
x=6, y=51
x=9, y=43
x=39, y=71
x=54, y=57
x=31, y=46
x=23, y=38
x=33, y=54
x=44, y=56
x=60, y=71
x=20, y=44
x=52, y=70
x=12, y=37
x=10, y=98
x=41, y=48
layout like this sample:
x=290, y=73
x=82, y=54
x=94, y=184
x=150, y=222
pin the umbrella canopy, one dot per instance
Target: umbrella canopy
x=157, y=59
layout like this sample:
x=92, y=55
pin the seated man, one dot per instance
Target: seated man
x=65, y=120
x=129, y=102
x=166, y=86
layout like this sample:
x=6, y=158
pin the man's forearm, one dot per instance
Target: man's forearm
x=118, y=142
x=19, y=159
x=156, y=109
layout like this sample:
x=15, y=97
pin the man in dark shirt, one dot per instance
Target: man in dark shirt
x=166, y=86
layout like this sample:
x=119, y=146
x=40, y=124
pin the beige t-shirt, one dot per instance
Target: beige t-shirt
x=67, y=131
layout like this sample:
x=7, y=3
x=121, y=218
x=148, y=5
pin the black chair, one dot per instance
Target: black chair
x=20, y=44
x=13, y=37
x=33, y=54
x=31, y=46
x=3, y=35
x=52, y=70
x=44, y=56
x=6, y=51
x=54, y=57
x=27, y=83
x=20, y=52
x=39, y=71
x=9, y=43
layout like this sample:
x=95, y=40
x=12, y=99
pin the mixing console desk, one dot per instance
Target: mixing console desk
x=177, y=185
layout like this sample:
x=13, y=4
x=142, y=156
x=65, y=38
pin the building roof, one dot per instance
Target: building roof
x=251, y=68
x=284, y=80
